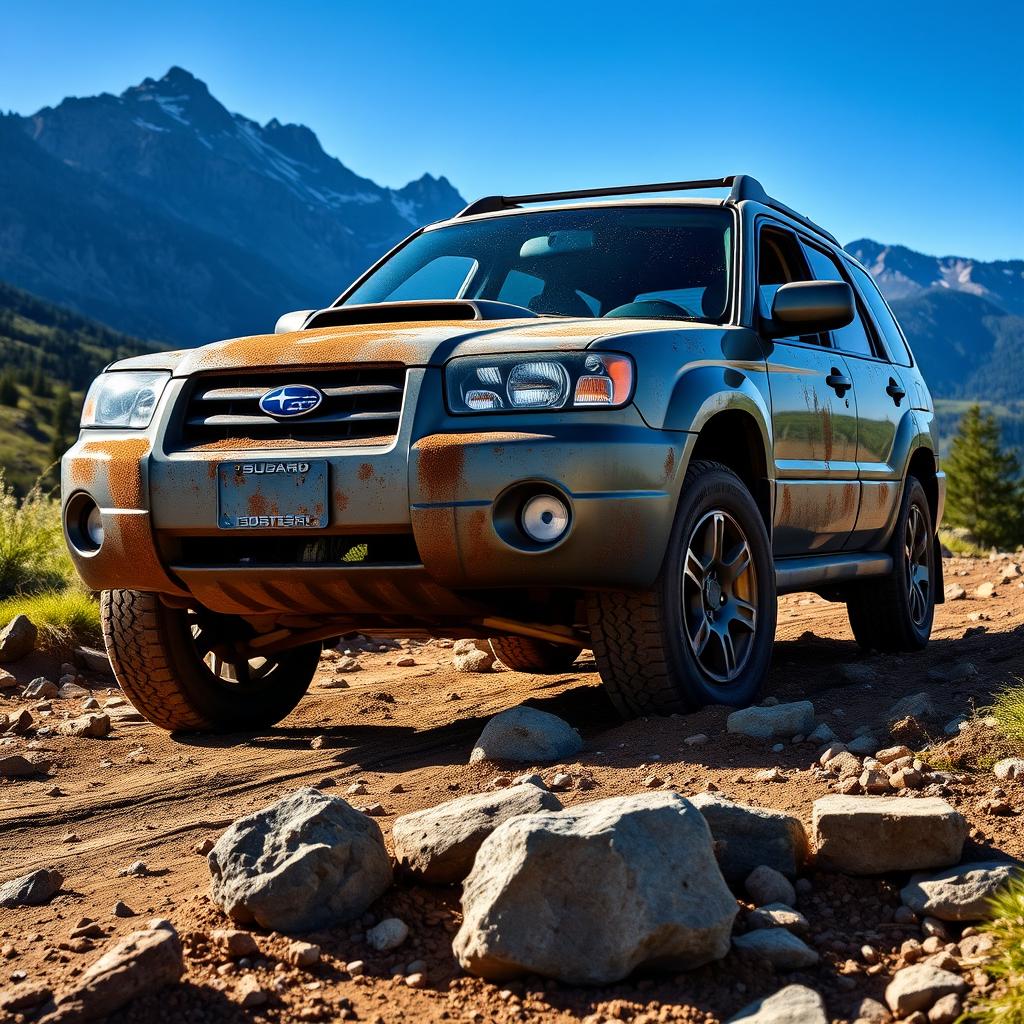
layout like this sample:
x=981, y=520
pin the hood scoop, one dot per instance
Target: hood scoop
x=405, y=312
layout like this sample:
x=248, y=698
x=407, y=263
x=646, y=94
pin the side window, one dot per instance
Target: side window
x=780, y=261
x=441, y=278
x=854, y=337
x=894, y=340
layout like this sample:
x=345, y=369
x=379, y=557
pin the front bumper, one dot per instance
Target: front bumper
x=451, y=483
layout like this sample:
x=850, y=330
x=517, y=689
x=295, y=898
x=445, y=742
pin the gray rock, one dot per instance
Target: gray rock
x=308, y=861
x=15, y=766
x=917, y=705
x=781, y=948
x=388, y=935
x=822, y=734
x=920, y=987
x=92, y=660
x=141, y=963
x=528, y=736
x=1010, y=768
x=864, y=835
x=782, y=721
x=17, y=638
x=7, y=681
x=91, y=724
x=765, y=885
x=746, y=837
x=31, y=890
x=960, y=893
x=778, y=915
x=40, y=688
x=864, y=746
x=794, y=1004
x=439, y=843
x=589, y=894
x=858, y=672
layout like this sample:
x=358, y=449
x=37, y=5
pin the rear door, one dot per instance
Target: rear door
x=881, y=404
x=814, y=417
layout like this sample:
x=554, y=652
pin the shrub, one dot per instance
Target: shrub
x=65, y=618
x=1006, y=1005
x=1008, y=711
x=33, y=557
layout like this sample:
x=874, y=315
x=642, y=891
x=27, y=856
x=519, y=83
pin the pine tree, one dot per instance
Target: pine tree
x=985, y=493
x=62, y=414
x=9, y=393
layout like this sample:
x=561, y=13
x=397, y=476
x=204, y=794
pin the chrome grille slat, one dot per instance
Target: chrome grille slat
x=359, y=402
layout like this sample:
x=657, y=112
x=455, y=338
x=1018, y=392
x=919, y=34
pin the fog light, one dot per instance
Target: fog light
x=94, y=527
x=545, y=518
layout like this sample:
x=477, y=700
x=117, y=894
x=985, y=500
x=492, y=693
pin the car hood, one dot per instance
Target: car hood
x=411, y=344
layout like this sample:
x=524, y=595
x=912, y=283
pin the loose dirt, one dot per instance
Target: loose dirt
x=142, y=795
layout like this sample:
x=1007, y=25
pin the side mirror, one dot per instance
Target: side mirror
x=293, y=321
x=809, y=307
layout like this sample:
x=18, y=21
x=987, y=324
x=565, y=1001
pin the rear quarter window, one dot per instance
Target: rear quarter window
x=894, y=340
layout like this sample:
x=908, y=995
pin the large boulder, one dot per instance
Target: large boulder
x=587, y=895
x=438, y=844
x=31, y=890
x=528, y=736
x=747, y=837
x=139, y=964
x=17, y=638
x=794, y=1004
x=868, y=835
x=961, y=893
x=308, y=861
x=780, y=721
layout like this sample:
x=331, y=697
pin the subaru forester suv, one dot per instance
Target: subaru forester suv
x=557, y=422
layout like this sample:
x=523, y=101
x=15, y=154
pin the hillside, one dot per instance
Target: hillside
x=167, y=216
x=46, y=353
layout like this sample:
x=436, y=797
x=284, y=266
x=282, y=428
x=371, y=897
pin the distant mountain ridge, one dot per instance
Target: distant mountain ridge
x=964, y=317
x=165, y=215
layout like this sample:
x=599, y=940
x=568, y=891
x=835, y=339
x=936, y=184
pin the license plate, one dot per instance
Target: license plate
x=269, y=494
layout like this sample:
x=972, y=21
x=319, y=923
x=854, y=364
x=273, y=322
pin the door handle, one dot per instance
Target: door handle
x=838, y=382
x=895, y=391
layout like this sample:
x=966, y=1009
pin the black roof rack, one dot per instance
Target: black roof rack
x=741, y=186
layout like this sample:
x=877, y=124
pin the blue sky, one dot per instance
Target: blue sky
x=899, y=121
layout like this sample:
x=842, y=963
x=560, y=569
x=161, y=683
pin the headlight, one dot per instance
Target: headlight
x=123, y=399
x=578, y=380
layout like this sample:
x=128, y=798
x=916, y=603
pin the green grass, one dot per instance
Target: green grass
x=1006, y=968
x=961, y=545
x=33, y=557
x=64, y=618
x=1008, y=711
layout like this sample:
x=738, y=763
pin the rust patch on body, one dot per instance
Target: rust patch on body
x=670, y=463
x=442, y=459
x=340, y=501
x=257, y=504
x=826, y=429
x=121, y=460
x=365, y=471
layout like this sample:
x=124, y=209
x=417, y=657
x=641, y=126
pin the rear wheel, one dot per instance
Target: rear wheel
x=182, y=668
x=703, y=633
x=525, y=654
x=895, y=612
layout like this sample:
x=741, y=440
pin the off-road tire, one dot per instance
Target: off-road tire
x=162, y=674
x=525, y=654
x=642, y=654
x=879, y=609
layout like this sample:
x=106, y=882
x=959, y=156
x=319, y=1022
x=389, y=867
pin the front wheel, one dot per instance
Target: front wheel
x=703, y=633
x=183, y=671
x=895, y=612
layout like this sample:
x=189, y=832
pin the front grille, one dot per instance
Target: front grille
x=359, y=404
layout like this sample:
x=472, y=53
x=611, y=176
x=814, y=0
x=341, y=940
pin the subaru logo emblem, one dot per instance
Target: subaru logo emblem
x=291, y=400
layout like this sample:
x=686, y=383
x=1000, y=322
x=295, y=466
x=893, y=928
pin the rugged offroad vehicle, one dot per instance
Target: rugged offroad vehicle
x=624, y=425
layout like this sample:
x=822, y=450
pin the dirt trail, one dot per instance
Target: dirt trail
x=414, y=727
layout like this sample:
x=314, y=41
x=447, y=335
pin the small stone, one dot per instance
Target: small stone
x=407, y=661
x=24, y=997
x=770, y=775
x=388, y=935
x=416, y=980
x=348, y=665
x=765, y=886
x=138, y=869
x=357, y=789
x=858, y=672
x=920, y=987
x=822, y=733
x=906, y=778
x=946, y=1010
x=653, y=782
x=17, y=638
x=874, y=782
x=781, y=721
x=561, y=782
x=697, y=740
x=472, y=656
x=355, y=968
x=31, y=890
x=250, y=993
x=781, y=948
x=955, y=592
x=794, y=1004
x=303, y=954
x=525, y=734
x=91, y=725
x=866, y=745
x=122, y=909
x=14, y=766
x=237, y=943
x=777, y=915
x=986, y=589
x=960, y=893
x=40, y=689
x=890, y=754
x=204, y=846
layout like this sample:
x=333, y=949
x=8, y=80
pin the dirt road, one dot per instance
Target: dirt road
x=141, y=795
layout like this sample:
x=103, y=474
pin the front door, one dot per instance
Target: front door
x=814, y=419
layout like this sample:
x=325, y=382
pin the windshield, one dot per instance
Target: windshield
x=664, y=262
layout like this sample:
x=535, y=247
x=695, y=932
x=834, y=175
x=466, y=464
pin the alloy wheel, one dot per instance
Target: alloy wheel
x=219, y=652
x=719, y=596
x=918, y=571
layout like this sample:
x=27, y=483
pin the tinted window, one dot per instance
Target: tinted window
x=779, y=261
x=588, y=261
x=854, y=336
x=898, y=351
x=443, y=278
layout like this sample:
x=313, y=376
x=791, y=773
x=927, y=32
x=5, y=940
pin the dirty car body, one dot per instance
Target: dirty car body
x=492, y=434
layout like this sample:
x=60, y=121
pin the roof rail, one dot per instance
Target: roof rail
x=741, y=187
